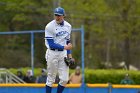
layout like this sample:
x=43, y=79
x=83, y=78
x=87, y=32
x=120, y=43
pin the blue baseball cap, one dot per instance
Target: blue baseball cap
x=59, y=11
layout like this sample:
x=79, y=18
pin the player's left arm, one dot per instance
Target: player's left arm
x=69, y=54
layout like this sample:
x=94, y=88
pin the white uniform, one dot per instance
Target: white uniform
x=55, y=58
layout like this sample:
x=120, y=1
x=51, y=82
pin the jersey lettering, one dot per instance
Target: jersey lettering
x=61, y=33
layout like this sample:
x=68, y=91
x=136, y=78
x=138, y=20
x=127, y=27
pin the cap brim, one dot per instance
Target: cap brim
x=58, y=14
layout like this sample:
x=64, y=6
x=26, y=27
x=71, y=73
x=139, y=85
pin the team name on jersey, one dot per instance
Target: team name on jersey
x=61, y=33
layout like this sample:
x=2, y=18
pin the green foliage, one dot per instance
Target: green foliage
x=110, y=76
x=24, y=14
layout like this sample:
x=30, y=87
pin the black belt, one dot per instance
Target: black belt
x=57, y=49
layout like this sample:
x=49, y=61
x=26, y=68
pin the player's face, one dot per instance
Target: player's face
x=59, y=18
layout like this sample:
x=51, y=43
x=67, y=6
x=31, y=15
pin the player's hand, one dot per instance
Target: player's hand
x=68, y=47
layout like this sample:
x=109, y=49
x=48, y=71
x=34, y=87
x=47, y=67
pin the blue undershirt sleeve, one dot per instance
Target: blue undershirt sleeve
x=53, y=45
x=68, y=51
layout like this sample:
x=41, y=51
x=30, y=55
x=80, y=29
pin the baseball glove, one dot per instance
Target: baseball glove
x=70, y=62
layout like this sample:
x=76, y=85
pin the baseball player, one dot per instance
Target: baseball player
x=57, y=41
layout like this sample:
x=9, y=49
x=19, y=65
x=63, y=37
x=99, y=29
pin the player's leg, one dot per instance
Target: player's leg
x=52, y=65
x=60, y=88
x=64, y=77
x=63, y=71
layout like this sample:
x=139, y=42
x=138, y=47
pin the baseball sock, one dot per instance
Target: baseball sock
x=60, y=88
x=48, y=89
